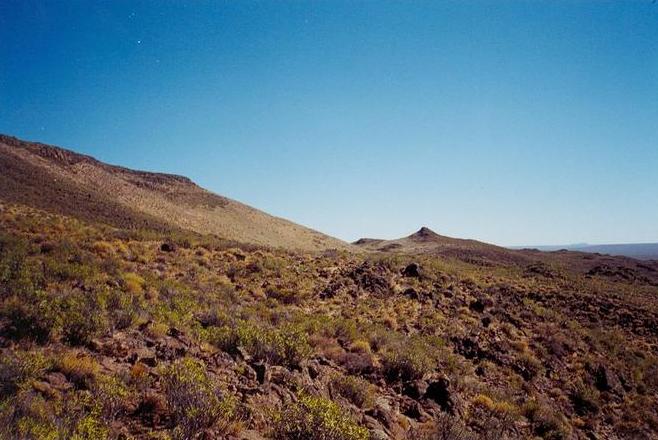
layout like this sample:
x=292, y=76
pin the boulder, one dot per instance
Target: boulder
x=439, y=392
x=261, y=372
x=168, y=247
x=604, y=380
x=415, y=389
x=411, y=293
x=411, y=271
x=480, y=304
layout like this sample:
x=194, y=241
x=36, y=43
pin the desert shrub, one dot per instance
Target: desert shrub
x=545, y=422
x=345, y=329
x=214, y=317
x=287, y=345
x=273, y=263
x=27, y=319
x=157, y=330
x=18, y=367
x=380, y=337
x=316, y=418
x=103, y=248
x=446, y=427
x=358, y=391
x=285, y=295
x=254, y=267
x=585, y=398
x=176, y=307
x=494, y=419
x=122, y=309
x=18, y=275
x=139, y=378
x=29, y=416
x=132, y=283
x=527, y=365
x=194, y=400
x=360, y=346
x=357, y=363
x=90, y=426
x=60, y=267
x=225, y=292
x=635, y=418
x=110, y=265
x=645, y=372
x=82, y=317
x=225, y=338
x=110, y=392
x=78, y=367
x=408, y=359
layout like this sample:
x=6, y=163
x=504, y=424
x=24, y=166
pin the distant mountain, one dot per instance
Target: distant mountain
x=62, y=181
x=641, y=251
x=426, y=241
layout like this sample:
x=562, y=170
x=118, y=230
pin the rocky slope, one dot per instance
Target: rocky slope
x=112, y=333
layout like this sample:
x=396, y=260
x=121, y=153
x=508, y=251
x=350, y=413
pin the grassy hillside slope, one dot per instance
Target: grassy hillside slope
x=65, y=182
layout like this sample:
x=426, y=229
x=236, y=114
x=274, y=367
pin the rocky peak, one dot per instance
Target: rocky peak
x=424, y=233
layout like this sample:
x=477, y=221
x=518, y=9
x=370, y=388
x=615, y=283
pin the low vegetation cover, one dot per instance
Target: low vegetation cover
x=109, y=333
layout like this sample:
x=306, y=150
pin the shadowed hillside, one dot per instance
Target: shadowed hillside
x=65, y=182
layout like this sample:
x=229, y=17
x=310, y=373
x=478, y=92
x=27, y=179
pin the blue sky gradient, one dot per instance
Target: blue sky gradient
x=510, y=122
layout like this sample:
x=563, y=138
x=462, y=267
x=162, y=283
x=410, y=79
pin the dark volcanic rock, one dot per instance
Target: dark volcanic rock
x=411, y=293
x=261, y=372
x=168, y=247
x=415, y=389
x=439, y=392
x=480, y=304
x=411, y=271
x=605, y=380
x=371, y=278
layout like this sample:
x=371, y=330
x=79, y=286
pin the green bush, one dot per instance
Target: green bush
x=316, y=418
x=528, y=366
x=284, y=296
x=27, y=318
x=122, y=309
x=446, y=427
x=545, y=422
x=358, y=391
x=194, y=400
x=29, y=416
x=408, y=360
x=17, y=368
x=82, y=318
x=585, y=398
x=286, y=346
x=110, y=393
x=18, y=276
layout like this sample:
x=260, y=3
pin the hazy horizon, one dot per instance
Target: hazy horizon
x=513, y=123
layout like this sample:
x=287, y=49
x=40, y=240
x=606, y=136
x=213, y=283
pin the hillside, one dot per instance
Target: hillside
x=64, y=182
x=426, y=241
x=578, y=263
x=641, y=251
x=111, y=333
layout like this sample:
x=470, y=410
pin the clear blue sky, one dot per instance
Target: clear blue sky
x=511, y=122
